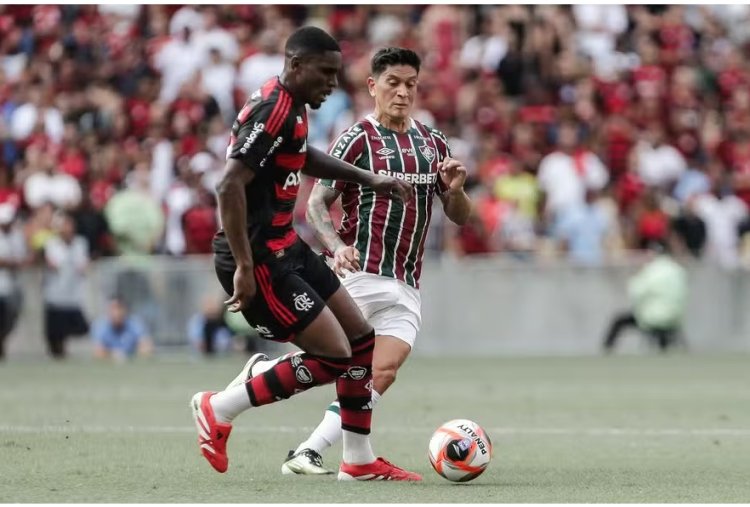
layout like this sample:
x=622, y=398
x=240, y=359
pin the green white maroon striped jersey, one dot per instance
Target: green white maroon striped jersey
x=389, y=235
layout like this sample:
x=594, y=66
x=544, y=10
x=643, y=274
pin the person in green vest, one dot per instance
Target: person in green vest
x=658, y=295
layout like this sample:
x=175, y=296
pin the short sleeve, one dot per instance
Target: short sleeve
x=258, y=136
x=349, y=147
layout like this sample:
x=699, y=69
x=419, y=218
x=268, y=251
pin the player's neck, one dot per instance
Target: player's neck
x=290, y=86
x=400, y=125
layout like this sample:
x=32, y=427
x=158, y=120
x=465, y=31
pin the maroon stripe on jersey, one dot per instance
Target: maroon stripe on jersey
x=379, y=203
x=411, y=165
x=279, y=311
x=291, y=161
x=288, y=194
x=282, y=218
x=285, y=242
x=279, y=113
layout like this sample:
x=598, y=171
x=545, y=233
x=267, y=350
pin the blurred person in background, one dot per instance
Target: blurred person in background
x=120, y=335
x=12, y=257
x=658, y=294
x=207, y=332
x=67, y=262
x=134, y=217
x=566, y=174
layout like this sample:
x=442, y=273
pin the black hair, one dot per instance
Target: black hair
x=387, y=57
x=310, y=40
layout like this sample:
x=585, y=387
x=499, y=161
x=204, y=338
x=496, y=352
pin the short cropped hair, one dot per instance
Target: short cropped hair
x=387, y=57
x=310, y=40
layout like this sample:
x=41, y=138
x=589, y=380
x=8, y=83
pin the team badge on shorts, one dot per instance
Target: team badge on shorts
x=302, y=302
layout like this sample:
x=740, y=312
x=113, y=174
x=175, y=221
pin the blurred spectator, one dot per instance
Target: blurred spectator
x=567, y=173
x=583, y=230
x=12, y=256
x=208, y=333
x=657, y=163
x=689, y=230
x=134, y=217
x=67, y=261
x=723, y=213
x=658, y=294
x=259, y=67
x=120, y=335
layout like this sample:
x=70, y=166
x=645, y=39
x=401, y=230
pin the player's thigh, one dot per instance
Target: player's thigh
x=348, y=314
x=324, y=336
x=327, y=285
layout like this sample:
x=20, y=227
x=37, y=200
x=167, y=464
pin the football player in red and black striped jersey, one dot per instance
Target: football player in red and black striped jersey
x=281, y=287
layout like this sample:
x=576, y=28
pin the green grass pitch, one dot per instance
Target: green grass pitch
x=600, y=429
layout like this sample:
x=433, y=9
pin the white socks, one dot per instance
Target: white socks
x=357, y=449
x=329, y=432
x=230, y=403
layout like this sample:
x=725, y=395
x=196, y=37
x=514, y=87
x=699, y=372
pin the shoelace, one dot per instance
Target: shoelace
x=316, y=458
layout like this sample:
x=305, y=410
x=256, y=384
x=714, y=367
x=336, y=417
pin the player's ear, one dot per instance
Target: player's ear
x=371, y=85
x=295, y=62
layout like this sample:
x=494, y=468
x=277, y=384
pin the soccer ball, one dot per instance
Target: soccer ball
x=460, y=450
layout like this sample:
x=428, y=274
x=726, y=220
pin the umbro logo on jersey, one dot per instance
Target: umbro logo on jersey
x=385, y=151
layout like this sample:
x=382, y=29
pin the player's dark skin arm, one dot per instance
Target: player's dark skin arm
x=233, y=212
x=322, y=165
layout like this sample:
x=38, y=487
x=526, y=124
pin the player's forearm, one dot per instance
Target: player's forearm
x=457, y=206
x=319, y=216
x=233, y=212
x=322, y=165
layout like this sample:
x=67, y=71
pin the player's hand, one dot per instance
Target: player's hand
x=346, y=258
x=453, y=173
x=244, y=289
x=393, y=188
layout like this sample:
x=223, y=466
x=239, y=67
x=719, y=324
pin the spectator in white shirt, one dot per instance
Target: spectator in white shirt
x=67, y=261
x=12, y=256
x=567, y=173
x=217, y=79
x=258, y=68
x=657, y=164
x=722, y=212
x=37, y=111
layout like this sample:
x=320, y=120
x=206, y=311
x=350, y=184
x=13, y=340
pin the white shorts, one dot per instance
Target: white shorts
x=391, y=306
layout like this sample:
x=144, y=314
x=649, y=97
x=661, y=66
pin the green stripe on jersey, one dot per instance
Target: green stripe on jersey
x=394, y=218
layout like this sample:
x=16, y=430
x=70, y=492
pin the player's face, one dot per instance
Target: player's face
x=395, y=90
x=319, y=77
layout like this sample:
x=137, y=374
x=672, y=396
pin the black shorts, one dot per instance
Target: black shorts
x=291, y=289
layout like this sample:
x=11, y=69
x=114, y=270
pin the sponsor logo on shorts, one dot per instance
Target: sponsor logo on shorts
x=357, y=372
x=303, y=375
x=264, y=331
x=302, y=302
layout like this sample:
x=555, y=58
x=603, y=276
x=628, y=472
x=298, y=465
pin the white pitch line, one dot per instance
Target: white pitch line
x=606, y=432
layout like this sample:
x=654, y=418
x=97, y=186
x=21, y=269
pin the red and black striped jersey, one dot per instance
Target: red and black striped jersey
x=270, y=137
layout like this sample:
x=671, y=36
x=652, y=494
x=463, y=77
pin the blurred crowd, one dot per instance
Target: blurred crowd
x=589, y=131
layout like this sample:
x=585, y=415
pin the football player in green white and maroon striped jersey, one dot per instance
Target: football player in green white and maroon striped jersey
x=379, y=247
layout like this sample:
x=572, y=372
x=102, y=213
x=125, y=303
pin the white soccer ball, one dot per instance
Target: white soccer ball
x=460, y=450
